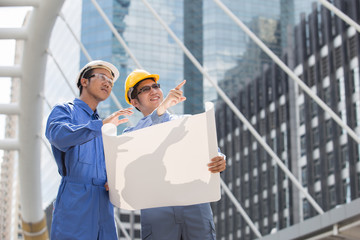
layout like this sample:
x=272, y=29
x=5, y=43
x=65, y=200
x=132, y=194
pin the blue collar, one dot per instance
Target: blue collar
x=84, y=106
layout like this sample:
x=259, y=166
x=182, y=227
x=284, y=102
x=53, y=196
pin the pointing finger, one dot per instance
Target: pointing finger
x=180, y=85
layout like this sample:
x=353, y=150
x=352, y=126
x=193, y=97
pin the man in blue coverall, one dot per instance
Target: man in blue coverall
x=193, y=222
x=82, y=209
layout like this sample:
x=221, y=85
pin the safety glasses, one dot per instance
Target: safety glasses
x=103, y=78
x=146, y=89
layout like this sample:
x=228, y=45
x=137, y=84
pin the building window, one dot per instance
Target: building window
x=246, y=163
x=247, y=190
x=274, y=203
x=331, y=163
x=344, y=156
x=327, y=96
x=256, y=212
x=306, y=209
x=315, y=134
x=324, y=66
x=255, y=184
x=272, y=120
x=282, y=141
x=302, y=145
x=264, y=180
x=311, y=76
x=304, y=176
x=355, y=79
x=265, y=209
x=356, y=114
x=346, y=191
x=332, y=196
x=318, y=198
x=282, y=114
x=329, y=132
x=314, y=108
x=301, y=114
x=255, y=159
x=317, y=169
x=341, y=89
x=272, y=176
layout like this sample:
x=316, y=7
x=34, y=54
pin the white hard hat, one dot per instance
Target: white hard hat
x=98, y=64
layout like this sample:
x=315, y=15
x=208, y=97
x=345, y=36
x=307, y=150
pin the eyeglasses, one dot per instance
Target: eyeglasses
x=103, y=78
x=146, y=89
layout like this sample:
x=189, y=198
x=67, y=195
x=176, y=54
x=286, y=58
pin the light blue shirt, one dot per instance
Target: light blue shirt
x=179, y=222
x=152, y=119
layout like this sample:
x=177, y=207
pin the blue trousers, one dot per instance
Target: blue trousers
x=83, y=211
x=193, y=222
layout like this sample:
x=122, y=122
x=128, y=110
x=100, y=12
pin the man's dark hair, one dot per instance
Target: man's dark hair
x=86, y=75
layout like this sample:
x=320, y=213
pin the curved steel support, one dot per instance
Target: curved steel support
x=33, y=65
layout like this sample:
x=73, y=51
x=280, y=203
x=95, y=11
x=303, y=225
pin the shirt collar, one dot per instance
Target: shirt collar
x=84, y=106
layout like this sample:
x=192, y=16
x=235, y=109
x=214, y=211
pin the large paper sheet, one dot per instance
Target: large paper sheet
x=163, y=165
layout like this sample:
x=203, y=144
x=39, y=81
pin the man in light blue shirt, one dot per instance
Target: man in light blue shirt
x=194, y=222
x=82, y=209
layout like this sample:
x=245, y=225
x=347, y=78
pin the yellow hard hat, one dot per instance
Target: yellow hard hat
x=136, y=76
x=98, y=64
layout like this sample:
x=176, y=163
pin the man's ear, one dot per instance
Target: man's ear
x=135, y=102
x=84, y=82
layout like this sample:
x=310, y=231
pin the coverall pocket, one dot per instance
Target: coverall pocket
x=146, y=232
x=87, y=152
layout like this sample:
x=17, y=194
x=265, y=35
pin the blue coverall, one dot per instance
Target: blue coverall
x=82, y=209
x=194, y=222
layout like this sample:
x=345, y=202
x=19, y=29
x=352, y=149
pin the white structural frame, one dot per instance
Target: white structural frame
x=33, y=67
x=340, y=14
x=36, y=36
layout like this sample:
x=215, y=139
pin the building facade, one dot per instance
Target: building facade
x=328, y=62
x=317, y=151
x=230, y=54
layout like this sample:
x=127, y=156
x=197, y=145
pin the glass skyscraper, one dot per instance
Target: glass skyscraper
x=230, y=56
x=151, y=45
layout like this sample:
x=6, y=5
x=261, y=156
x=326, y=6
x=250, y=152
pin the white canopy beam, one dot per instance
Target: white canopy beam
x=9, y=144
x=13, y=33
x=10, y=109
x=10, y=71
x=40, y=25
x=19, y=3
x=340, y=14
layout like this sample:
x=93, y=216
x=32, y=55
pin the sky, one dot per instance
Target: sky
x=10, y=17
